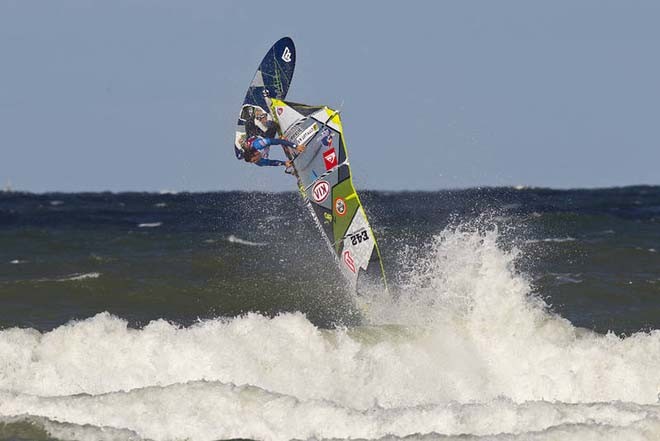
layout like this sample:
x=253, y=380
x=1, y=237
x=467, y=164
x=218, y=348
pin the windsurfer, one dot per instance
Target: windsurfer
x=256, y=149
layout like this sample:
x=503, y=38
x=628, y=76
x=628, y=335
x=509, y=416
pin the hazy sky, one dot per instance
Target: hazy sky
x=144, y=95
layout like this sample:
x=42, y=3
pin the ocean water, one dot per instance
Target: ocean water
x=513, y=314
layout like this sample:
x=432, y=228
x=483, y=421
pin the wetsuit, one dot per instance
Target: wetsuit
x=263, y=145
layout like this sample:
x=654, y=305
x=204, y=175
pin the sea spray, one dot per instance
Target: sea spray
x=466, y=289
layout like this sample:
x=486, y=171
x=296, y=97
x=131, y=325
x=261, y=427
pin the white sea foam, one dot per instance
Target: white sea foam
x=238, y=240
x=462, y=349
x=213, y=410
x=82, y=276
x=150, y=225
x=70, y=278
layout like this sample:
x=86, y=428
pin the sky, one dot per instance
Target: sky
x=144, y=95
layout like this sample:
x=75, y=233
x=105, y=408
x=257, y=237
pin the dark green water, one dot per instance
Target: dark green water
x=591, y=254
x=220, y=316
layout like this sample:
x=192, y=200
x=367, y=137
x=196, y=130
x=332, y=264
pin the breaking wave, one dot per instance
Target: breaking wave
x=462, y=350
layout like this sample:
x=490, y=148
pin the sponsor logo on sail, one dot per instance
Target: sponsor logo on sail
x=326, y=139
x=286, y=55
x=320, y=191
x=307, y=134
x=280, y=110
x=330, y=158
x=348, y=260
x=340, y=206
x=359, y=237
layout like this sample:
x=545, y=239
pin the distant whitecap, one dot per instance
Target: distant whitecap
x=150, y=225
x=553, y=239
x=79, y=276
x=234, y=239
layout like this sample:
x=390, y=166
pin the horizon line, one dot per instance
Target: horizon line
x=8, y=191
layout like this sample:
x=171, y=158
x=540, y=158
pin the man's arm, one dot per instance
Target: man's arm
x=278, y=141
x=269, y=162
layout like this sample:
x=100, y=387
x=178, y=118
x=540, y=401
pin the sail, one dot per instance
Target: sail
x=274, y=76
x=324, y=181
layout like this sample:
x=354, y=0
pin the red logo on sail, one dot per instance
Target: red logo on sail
x=330, y=158
x=320, y=191
x=280, y=110
x=348, y=260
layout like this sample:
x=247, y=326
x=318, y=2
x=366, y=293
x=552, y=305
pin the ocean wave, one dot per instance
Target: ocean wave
x=567, y=277
x=463, y=350
x=68, y=278
x=150, y=224
x=552, y=239
x=80, y=276
x=38, y=428
x=205, y=410
x=238, y=240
